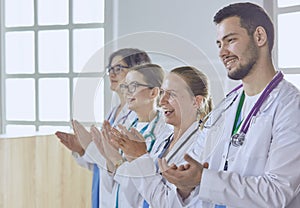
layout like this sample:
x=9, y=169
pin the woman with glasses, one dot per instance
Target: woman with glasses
x=185, y=100
x=141, y=89
x=80, y=143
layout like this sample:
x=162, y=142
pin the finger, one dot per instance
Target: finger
x=75, y=127
x=115, y=144
x=121, y=127
x=137, y=135
x=173, y=166
x=190, y=160
x=115, y=132
x=187, y=166
x=61, y=135
x=95, y=130
x=107, y=126
x=163, y=165
x=160, y=166
x=205, y=165
x=105, y=133
x=181, y=167
x=96, y=134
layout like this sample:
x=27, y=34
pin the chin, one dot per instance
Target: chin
x=131, y=107
x=169, y=121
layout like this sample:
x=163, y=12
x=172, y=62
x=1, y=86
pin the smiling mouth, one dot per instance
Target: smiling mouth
x=113, y=81
x=229, y=61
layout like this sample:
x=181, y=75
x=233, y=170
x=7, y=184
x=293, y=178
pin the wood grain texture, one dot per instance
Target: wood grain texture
x=40, y=172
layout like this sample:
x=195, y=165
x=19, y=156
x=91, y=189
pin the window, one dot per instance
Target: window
x=286, y=19
x=45, y=46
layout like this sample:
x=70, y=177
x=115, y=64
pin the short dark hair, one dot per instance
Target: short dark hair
x=131, y=56
x=251, y=16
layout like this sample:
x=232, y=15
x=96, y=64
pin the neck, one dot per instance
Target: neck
x=179, y=130
x=146, y=116
x=259, y=78
x=122, y=99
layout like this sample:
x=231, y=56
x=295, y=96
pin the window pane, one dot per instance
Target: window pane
x=53, y=129
x=286, y=3
x=20, y=99
x=88, y=11
x=88, y=107
x=54, y=99
x=52, y=12
x=54, y=51
x=293, y=78
x=20, y=130
x=18, y=13
x=19, y=52
x=86, y=43
x=288, y=40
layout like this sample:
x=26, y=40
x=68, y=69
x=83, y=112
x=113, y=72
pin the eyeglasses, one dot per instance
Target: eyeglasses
x=115, y=69
x=131, y=88
x=169, y=95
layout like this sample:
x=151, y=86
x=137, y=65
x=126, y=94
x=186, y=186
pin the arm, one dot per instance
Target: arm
x=71, y=142
x=142, y=173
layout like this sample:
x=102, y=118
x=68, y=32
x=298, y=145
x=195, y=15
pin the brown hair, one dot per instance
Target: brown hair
x=198, y=85
x=131, y=56
x=153, y=74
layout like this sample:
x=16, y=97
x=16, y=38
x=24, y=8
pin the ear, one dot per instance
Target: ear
x=260, y=36
x=198, y=101
x=154, y=92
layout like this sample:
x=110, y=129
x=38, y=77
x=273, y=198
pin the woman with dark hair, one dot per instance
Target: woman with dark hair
x=80, y=143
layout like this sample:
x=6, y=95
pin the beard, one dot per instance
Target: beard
x=244, y=69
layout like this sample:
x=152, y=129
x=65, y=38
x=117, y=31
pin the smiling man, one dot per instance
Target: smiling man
x=253, y=146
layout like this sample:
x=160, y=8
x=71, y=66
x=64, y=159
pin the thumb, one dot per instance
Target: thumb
x=189, y=159
x=137, y=135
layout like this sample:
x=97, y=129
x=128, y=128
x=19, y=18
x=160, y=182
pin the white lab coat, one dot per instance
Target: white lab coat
x=143, y=171
x=264, y=171
x=92, y=155
x=128, y=196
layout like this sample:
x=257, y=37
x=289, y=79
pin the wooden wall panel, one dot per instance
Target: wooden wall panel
x=40, y=172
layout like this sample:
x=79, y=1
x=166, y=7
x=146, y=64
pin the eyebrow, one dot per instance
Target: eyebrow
x=226, y=36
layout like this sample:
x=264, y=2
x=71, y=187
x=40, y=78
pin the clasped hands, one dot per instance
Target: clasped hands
x=109, y=140
x=185, y=177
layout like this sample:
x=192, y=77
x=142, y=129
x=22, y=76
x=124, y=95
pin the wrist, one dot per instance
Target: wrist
x=81, y=152
x=185, y=192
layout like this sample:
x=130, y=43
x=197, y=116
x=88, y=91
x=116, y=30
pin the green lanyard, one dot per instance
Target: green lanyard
x=237, y=120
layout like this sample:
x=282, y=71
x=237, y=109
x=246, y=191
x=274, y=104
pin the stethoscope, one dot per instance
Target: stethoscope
x=150, y=134
x=238, y=138
x=168, y=141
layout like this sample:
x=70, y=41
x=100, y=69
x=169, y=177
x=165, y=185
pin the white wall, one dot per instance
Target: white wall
x=183, y=28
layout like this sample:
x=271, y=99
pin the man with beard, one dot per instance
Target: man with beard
x=251, y=157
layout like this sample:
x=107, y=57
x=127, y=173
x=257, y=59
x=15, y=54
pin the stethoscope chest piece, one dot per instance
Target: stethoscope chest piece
x=238, y=139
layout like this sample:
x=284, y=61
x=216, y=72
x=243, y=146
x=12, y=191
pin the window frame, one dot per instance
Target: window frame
x=109, y=34
x=274, y=11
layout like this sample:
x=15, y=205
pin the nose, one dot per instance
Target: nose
x=112, y=74
x=163, y=99
x=223, y=51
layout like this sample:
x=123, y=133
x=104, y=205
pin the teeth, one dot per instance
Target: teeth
x=229, y=62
